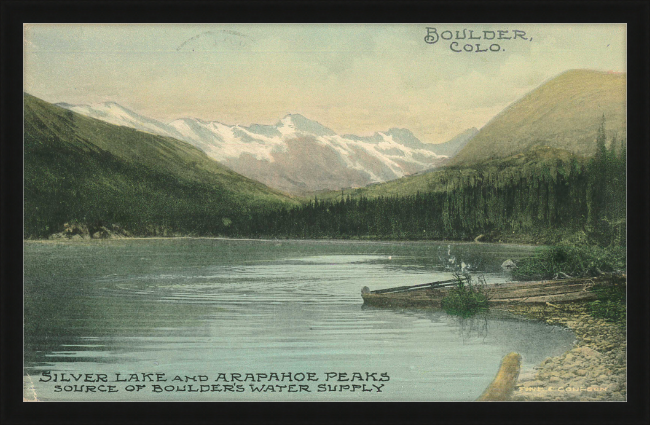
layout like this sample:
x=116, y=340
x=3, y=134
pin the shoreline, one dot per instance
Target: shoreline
x=594, y=369
x=321, y=240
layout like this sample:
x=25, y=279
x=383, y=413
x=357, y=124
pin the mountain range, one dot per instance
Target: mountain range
x=108, y=165
x=296, y=155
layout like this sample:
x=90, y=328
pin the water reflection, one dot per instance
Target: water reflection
x=207, y=306
x=470, y=328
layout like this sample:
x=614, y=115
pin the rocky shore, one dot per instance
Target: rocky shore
x=595, y=369
x=75, y=231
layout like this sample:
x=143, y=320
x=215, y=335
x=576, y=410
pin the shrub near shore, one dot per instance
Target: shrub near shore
x=571, y=261
x=610, y=304
x=466, y=298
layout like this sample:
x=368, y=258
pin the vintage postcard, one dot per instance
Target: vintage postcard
x=288, y=212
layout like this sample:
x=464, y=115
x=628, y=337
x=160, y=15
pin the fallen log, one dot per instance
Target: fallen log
x=532, y=291
x=504, y=383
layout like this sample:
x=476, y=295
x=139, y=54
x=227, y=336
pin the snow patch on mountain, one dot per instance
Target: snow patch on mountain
x=277, y=154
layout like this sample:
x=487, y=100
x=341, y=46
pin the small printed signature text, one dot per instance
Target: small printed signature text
x=566, y=389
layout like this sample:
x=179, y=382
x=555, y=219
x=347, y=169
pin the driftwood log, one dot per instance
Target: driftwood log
x=504, y=383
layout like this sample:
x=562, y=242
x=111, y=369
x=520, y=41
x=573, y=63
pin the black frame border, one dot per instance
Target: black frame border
x=635, y=13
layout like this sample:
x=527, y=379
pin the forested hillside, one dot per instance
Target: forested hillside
x=95, y=175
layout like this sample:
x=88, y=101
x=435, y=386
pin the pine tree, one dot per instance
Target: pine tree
x=601, y=140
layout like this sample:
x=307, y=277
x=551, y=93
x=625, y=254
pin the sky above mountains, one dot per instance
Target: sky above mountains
x=351, y=78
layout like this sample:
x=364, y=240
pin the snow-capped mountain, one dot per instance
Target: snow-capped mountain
x=114, y=113
x=296, y=154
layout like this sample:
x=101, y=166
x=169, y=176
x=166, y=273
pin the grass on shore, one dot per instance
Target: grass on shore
x=466, y=298
x=571, y=261
x=610, y=303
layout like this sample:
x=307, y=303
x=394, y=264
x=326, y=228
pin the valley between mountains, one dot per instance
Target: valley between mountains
x=549, y=167
x=296, y=155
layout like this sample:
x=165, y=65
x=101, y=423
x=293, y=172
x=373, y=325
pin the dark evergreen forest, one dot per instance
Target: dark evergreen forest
x=544, y=200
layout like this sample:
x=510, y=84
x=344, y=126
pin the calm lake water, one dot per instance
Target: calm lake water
x=191, y=307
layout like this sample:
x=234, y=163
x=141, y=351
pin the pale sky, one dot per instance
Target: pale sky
x=351, y=78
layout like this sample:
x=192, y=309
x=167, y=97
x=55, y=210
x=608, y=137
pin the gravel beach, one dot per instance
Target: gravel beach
x=595, y=369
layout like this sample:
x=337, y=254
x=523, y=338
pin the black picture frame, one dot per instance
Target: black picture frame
x=635, y=14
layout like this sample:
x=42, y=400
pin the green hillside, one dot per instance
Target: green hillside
x=437, y=181
x=85, y=171
x=544, y=195
x=564, y=113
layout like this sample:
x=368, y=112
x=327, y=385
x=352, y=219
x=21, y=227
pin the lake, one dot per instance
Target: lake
x=193, y=312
